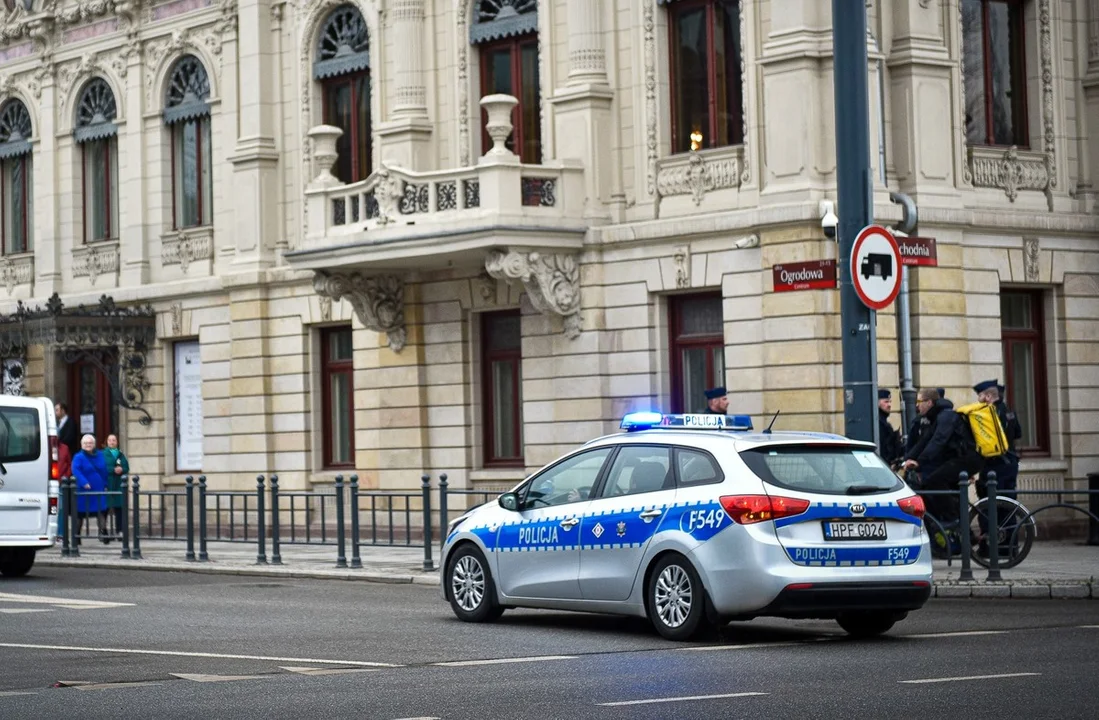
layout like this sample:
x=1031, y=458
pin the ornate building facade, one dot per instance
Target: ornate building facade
x=402, y=236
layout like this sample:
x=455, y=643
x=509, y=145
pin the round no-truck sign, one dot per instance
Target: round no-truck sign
x=876, y=267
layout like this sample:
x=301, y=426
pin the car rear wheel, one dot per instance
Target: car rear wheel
x=16, y=562
x=676, y=599
x=870, y=623
x=470, y=588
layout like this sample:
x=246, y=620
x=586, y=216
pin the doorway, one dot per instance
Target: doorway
x=93, y=402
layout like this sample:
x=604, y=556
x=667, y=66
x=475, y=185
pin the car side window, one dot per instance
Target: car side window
x=640, y=469
x=568, y=481
x=696, y=468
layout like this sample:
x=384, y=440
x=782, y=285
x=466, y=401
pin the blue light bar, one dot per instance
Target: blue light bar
x=653, y=420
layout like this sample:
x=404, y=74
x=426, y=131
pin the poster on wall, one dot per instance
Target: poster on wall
x=188, y=397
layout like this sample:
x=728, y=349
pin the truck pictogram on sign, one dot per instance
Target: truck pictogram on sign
x=877, y=264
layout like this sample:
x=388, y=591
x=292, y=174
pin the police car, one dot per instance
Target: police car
x=697, y=520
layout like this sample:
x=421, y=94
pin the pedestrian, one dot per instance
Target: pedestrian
x=117, y=466
x=1005, y=466
x=717, y=401
x=67, y=434
x=64, y=471
x=944, y=450
x=890, y=448
x=90, y=468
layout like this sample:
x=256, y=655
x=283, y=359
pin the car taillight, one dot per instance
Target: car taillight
x=912, y=505
x=55, y=465
x=748, y=509
x=53, y=505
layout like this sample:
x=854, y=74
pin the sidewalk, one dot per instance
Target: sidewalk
x=1051, y=570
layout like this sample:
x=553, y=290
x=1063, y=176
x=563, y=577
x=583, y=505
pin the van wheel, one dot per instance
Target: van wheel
x=676, y=599
x=17, y=562
x=869, y=624
x=470, y=588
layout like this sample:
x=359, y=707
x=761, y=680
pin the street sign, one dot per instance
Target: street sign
x=811, y=275
x=918, y=251
x=876, y=267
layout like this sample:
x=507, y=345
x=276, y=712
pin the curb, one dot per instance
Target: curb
x=1045, y=589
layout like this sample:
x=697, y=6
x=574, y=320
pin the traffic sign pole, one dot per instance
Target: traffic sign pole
x=854, y=193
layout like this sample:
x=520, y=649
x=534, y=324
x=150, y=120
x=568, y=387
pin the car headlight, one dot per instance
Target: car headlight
x=453, y=525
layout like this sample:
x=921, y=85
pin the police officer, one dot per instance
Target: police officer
x=1005, y=466
x=890, y=448
x=717, y=401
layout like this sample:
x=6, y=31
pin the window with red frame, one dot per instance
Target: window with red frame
x=1022, y=329
x=705, y=56
x=96, y=133
x=501, y=361
x=16, y=185
x=510, y=66
x=337, y=397
x=187, y=114
x=698, y=349
x=343, y=68
x=994, y=68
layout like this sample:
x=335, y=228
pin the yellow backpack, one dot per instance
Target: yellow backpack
x=988, y=431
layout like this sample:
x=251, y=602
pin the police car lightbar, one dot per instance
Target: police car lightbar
x=654, y=420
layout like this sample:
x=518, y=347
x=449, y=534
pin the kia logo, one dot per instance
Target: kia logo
x=858, y=509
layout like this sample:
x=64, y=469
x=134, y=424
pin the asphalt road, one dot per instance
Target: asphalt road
x=104, y=644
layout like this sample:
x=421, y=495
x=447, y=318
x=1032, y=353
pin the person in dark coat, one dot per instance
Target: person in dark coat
x=117, y=466
x=717, y=401
x=1006, y=466
x=890, y=448
x=67, y=432
x=941, y=454
x=90, y=470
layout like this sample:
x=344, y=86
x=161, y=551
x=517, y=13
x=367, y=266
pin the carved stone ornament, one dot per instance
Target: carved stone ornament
x=326, y=308
x=377, y=300
x=176, y=315
x=91, y=261
x=203, y=42
x=185, y=248
x=1031, y=269
x=1016, y=170
x=682, y=259
x=17, y=271
x=552, y=281
x=15, y=376
x=698, y=174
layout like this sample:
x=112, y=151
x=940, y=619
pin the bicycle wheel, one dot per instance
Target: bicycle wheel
x=1013, y=521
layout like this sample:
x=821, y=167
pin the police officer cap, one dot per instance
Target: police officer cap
x=986, y=385
x=884, y=394
x=714, y=393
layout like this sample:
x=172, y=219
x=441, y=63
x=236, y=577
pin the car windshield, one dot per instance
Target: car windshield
x=833, y=470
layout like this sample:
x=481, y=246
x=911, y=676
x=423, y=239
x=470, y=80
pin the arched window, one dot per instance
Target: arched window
x=707, y=98
x=187, y=114
x=342, y=66
x=507, y=33
x=16, y=180
x=97, y=135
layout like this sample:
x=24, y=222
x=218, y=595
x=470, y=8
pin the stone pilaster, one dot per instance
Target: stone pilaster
x=45, y=235
x=405, y=137
x=255, y=178
x=252, y=443
x=1089, y=161
x=133, y=216
x=587, y=54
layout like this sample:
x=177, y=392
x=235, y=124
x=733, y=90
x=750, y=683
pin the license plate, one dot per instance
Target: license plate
x=854, y=529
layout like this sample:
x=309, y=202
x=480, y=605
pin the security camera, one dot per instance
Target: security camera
x=828, y=220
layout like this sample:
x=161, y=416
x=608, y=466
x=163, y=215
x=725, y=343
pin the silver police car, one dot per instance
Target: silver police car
x=697, y=520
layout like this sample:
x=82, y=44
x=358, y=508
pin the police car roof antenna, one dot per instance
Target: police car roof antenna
x=768, y=430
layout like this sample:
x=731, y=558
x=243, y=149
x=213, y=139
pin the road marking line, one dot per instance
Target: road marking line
x=113, y=686
x=503, y=661
x=1090, y=627
x=179, y=653
x=19, y=611
x=10, y=693
x=326, y=671
x=968, y=677
x=965, y=633
x=63, y=602
x=688, y=698
x=745, y=646
x=217, y=678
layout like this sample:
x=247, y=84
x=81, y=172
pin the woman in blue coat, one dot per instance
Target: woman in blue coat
x=90, y=469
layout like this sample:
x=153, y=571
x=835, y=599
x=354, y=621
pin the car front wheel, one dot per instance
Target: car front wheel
x=870, y=623
x=470, y=588
x=676, y=599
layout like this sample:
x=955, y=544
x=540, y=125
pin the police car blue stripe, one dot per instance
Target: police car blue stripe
x=830, y=556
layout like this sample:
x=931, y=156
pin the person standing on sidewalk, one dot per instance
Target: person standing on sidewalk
x=1005, y=466
x=890, y=448
x=117, y=466
x=717, y=401
x=90, y=469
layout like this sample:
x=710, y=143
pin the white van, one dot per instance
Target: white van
x=29, y=474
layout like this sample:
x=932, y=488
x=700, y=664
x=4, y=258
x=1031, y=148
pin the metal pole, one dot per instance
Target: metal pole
x=444, y=521
x=63, y=515
x=356, y=561
x=276, y=556
x=74, y=515
x=966, y=573
x=135, y=551
x=124, y=487
x=261, y=530
x=203, y=556
x=190, y=480
x=993, y=530
x=341, y=538
x=425, y=489
x=909, y=225
x=856, y=211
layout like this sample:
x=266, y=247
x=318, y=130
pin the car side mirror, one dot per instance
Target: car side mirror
x=509, y=501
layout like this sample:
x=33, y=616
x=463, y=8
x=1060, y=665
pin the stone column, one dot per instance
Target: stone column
x=405, y=137
x=587, y=55
x=257, y=219
x=1089, y=155
x=133, y=246
x=49, y=259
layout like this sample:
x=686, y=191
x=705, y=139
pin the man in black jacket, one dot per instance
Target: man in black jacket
x=890, y=448
x=67, y=432
x=942, y=453
x=1005, y=466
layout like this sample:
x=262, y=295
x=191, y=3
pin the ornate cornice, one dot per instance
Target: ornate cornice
x=378, y=301
x=696, y=174
x=91, y=261
x=552, y=281
x=205, y=42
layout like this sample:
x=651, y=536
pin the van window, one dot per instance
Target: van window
x=20, y=435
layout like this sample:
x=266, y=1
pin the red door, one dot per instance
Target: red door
x=92, y=401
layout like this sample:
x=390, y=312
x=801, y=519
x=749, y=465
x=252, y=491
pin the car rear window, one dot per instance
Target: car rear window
x=832, y=470
x=20, y=437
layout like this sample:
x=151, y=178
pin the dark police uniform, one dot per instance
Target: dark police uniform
x=890, y=448
x=1005, y=466
x=713, y=394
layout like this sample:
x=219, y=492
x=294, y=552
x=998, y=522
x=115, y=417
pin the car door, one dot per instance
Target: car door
x=538, y=550
x=24, y=472
x=618, y=525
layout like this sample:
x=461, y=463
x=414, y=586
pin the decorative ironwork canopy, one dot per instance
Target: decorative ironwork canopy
x=83, y=332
